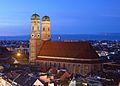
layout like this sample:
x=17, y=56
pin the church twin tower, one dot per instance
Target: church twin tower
x=36, y=38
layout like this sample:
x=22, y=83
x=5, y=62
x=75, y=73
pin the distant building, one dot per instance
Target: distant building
x=3, y=82
x=24, y=79
x=76, y=57
x=5, y=56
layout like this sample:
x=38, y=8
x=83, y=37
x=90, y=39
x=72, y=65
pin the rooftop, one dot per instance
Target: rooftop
x=35, y=17
x=46, y=18
x=71, y=50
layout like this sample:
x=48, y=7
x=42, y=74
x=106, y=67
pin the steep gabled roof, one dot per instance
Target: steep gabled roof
x=79, y=50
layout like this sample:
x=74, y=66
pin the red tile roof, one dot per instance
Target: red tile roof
x=79, y=50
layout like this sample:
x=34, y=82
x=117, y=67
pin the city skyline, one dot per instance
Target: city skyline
x=67, y=17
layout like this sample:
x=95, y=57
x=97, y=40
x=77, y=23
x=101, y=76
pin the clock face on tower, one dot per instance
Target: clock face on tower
x=32, y=35
x=38, y=35
x=35, y=35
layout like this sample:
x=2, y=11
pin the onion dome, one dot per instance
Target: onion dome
x=35, y=17
x=46, y=18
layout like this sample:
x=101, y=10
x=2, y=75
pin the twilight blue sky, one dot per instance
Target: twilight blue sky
x=67, y=16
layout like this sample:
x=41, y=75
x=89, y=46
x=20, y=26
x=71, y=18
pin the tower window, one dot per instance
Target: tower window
x=48, y=29
x=43, y=29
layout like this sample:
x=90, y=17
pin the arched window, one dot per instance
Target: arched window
x=43, y=29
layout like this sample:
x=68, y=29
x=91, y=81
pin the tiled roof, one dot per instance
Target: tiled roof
x=25, y=80
x=79, y=50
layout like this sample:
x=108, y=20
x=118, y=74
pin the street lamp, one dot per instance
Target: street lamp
x=18, y=54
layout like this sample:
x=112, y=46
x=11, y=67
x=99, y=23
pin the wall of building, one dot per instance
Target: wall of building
x=4, y=82
x=80, y=68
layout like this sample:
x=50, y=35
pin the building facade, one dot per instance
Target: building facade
x=76, y=57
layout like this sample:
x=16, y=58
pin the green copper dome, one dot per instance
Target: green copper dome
x=35, y=17
x=46, y=18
